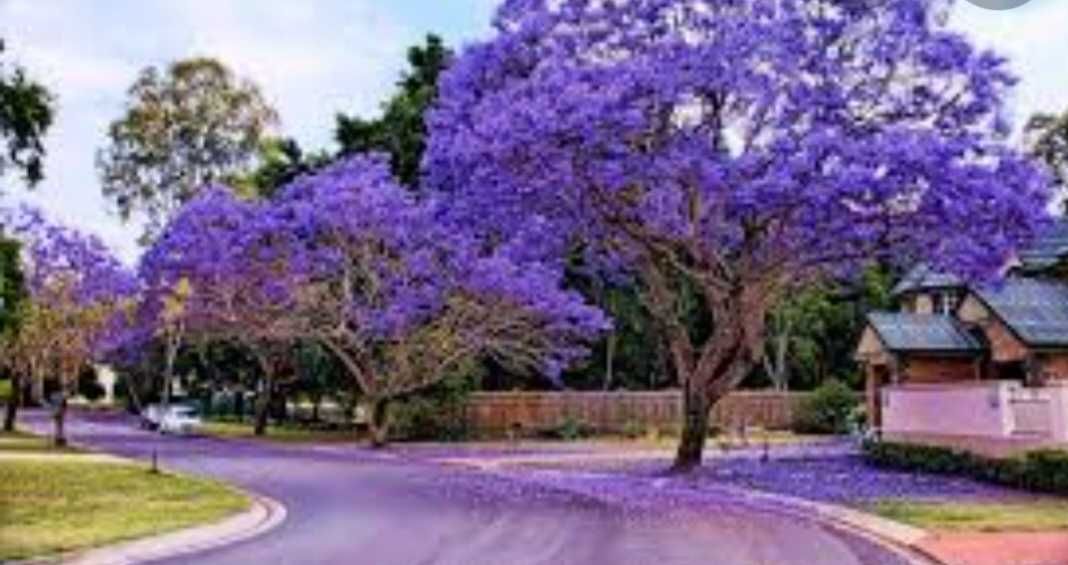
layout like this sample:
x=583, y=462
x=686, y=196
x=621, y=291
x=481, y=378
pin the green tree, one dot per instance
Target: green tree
x=186, y=126
x=1048, y=137
x=26, y=113
x=813, y=332
x=400, y=131
x=12, y=300
x=281, y=160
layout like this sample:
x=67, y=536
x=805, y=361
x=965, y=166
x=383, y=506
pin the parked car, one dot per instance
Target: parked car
x=179, y=419
x=151, y=416
x=175, y=419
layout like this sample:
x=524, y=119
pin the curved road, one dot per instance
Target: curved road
x=348, y=505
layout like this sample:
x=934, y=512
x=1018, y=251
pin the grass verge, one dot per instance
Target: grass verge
x=57, y=502
x=280, y=434
x=1017, y=516
x=19, y=442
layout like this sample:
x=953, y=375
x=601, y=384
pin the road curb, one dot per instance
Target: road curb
x=903, y=539
x=263, y=515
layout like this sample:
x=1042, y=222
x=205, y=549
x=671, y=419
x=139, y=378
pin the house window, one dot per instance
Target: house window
x=938, y=303
x=944, y=303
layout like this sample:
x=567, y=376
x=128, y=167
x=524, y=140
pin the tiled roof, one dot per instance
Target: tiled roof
x=923, y=277
x=922, y=332
x=1035, y=310
x=1047, y=249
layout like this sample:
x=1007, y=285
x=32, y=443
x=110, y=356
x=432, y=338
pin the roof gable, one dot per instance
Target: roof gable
x=1047, y=249
x=1035, y=310
x=922, y=277
x=923, y=332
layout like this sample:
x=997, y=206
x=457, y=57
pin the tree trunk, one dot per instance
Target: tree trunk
x=317, y=400
x=13, y=402
x=379, y=424
x=60, y=418
x=610, y=355
x=696, y=406
x=37, y=391
x=263, y=407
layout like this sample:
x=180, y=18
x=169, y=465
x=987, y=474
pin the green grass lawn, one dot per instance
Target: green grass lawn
x=280, y=434
x=1037, y=515
x=57, y=503
x=5, y=389
x=20, y=442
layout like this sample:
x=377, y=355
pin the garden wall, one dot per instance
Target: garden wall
x=497, y=413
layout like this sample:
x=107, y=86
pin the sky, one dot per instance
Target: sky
x=314, y=58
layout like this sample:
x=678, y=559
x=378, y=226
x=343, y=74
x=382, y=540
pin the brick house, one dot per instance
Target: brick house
x=984, y=369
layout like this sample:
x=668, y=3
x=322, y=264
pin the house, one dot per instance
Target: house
x=977, y=368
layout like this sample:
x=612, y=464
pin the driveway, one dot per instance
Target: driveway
x=350, y=505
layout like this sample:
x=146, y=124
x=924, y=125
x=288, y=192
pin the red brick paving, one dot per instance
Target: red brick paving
x=1039, y=548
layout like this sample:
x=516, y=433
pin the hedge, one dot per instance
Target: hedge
x=1038, y=471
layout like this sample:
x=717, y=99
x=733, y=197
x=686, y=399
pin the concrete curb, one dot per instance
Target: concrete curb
x=264, y=515
x=901, y=538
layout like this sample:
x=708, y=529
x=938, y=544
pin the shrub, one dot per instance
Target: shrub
x=1038, y=471
x=633, y=429
x=89, y=385
x=568, y=430
x=827, y=411
x=434, y=415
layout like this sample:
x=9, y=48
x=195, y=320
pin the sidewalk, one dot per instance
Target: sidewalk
x=1025, y=548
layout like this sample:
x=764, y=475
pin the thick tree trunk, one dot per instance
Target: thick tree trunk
x=696, y=406
x=59, y=417
x=13, y=402
x=379, y=423
x=610, y=355
x=263, y=407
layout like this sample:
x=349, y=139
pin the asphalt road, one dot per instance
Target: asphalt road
x=349, y=505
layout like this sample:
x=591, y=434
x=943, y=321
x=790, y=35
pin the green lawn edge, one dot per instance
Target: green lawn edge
x=977, y=516
x=55, y=505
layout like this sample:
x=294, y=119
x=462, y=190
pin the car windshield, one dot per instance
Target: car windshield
x=184, y=411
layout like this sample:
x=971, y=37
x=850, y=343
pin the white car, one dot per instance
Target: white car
x=151, y=416
x=179, y=419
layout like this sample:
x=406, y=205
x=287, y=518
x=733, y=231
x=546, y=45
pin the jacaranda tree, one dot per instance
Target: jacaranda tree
x=403, y=299
x=78, y=292
x=215, y=273
x=722, y=152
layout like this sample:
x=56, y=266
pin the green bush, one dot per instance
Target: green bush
x=570, y=429
x=436, y=414
x=828, y=410
x=1038, y=471
x=89, y=385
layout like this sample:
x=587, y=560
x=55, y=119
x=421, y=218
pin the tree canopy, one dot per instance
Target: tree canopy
x=400, y=131
x=348, y=259
x=184, y=127
x=725, y=152
x=26, y=113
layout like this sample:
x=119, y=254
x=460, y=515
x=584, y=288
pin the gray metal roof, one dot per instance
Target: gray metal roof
x=1035, y=310
x=923, y=332
x=923, y=277
x=1047, y=249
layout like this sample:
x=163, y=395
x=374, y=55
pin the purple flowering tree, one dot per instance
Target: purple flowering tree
x=217, y=273
x=78, y=293
x=722, y=152
x=403, y=299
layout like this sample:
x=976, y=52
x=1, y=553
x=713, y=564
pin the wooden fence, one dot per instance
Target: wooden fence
x=493, y=413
